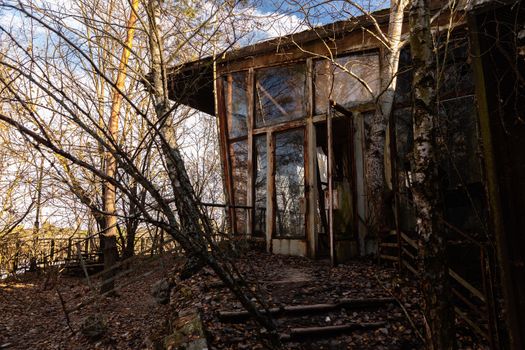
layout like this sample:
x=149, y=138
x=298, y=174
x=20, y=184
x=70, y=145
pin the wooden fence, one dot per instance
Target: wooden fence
x=476, y=306
x=19, y=255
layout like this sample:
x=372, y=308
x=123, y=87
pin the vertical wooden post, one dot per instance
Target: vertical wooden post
x=311, y=164
x=250, y=196
x=229, y=154
x=333, y=259
x=223, y=143
x=52, y=252
x=360, y=179
x=395, y=183
x=142, y=244
x=69, y=249
x=17, y=255
x=270, y=189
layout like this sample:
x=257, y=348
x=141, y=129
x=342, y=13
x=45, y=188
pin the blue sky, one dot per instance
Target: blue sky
x=321, y=11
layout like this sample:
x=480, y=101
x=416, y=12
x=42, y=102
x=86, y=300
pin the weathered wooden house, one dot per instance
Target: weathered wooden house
x=294, y=129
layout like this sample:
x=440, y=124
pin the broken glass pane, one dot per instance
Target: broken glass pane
x=346, y=90
x=239, y=162
x=280, y=94
x=261, y=165
x=236, y=100
x=289, y=184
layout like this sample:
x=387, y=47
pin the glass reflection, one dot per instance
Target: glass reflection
x=236, y=94
x=239, y=161
x=289, y=184
x=280, y=94
x=261, y=165
x=346, y=89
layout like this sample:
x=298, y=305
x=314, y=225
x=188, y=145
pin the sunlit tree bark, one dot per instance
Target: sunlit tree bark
x=379, y=122
x=437, y=307
x=110, y=241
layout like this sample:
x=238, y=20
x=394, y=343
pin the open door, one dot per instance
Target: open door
x=336, y=225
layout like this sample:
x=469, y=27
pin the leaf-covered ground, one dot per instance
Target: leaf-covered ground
x=286, y=280
x=31, y=315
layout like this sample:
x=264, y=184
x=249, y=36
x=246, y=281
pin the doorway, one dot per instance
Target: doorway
x=342, y=191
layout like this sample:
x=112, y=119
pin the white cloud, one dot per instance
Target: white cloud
x=260, y=25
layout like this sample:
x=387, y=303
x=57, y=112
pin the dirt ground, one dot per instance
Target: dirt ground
x=32, y=317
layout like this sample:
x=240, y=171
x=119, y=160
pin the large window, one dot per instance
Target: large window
x=289, y=184
x=235, y=89
x=280, y=94
x=236, y=98
x=347, y=81
x=261, y=166
x=239, y=162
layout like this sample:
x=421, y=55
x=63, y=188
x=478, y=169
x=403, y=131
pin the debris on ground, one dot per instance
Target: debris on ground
x=358, y=305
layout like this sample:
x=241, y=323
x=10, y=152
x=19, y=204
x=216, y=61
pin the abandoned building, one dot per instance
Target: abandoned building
x=294, y=132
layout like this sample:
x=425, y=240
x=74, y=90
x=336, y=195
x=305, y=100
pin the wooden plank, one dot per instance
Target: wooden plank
x=225, y=154
x=270, y=190
x=250, y=183
x=388, y=257
x=364, y=302
x=316, y=332
x=295, y=310
x=410, y=241
x=474, y=325
x=467, y=285
x=475, y=308
x=407, y=253
x=409, y=267
x=329, y=136
x=241, y=315
x=311, y=165
x=280, y=127
x=389, y=245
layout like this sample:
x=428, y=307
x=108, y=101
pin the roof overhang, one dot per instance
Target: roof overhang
x=191, y=84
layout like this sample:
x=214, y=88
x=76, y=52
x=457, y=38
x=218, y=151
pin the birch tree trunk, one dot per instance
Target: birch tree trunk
x=437, y=308
x=379, y=122
x=110, y=240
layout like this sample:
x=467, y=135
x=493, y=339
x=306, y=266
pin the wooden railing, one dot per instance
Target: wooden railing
x=474, y=305
x=18, y=256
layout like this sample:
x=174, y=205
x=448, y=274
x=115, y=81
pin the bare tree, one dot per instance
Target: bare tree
x=181, y=214
x=110, y=247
